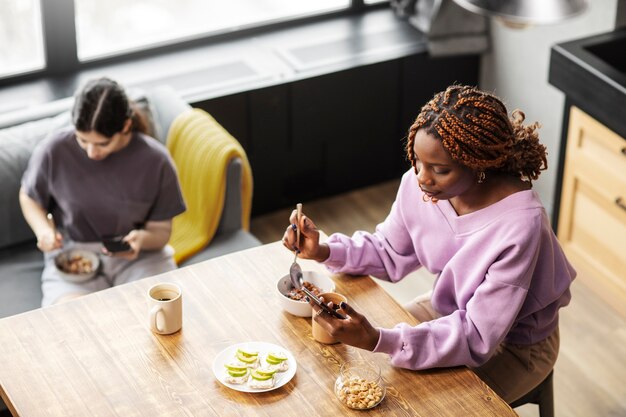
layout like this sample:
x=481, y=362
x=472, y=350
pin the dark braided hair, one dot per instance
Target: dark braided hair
x=475, y=129
x=102, y=106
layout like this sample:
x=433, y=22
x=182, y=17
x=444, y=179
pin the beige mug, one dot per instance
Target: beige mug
x=166, y=308
x=318, y=332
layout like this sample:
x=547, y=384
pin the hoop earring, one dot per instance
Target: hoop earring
x=481, y=177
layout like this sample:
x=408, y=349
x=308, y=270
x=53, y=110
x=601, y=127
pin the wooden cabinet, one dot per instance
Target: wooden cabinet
x=592, y=217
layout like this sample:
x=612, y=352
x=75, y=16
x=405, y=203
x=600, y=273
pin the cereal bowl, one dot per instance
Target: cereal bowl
x=302, y=308
x=77, y=265
x=359, y=385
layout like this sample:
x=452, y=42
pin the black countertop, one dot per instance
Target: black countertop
x=592, y=74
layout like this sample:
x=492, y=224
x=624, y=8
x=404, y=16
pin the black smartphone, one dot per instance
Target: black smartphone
x=115, y=244
x=324, y=307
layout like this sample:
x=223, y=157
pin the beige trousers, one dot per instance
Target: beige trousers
x=513, y=370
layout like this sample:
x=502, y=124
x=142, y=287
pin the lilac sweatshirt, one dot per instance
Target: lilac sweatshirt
x=501, y=275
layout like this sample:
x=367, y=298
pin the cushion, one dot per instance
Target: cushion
x=165, y=104
x=16, y=145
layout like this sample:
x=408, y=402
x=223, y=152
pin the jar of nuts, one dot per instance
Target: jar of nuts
x=359, y=385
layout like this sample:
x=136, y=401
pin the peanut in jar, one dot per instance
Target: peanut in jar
x=359, y=385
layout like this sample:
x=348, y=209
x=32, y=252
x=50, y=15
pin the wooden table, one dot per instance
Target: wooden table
x=96, y=355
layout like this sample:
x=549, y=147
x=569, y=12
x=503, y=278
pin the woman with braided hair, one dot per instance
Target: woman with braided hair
x=466, y=212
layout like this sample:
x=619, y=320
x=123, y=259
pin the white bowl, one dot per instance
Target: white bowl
x=68, y=254
x=302, y=308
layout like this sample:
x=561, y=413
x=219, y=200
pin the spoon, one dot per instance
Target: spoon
x=295, y=272
x=50, y=220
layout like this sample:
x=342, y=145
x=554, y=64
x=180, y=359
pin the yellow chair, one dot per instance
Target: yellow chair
x=208, y=159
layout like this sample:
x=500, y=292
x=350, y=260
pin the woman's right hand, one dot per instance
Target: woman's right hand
x=309, y=244
x=49, y=240
x=41, y=222
x=355, y=330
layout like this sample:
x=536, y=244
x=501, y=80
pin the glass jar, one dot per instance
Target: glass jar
x=359, y=385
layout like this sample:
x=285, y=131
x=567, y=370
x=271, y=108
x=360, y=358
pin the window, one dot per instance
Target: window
x=114, y=26
x=21, y=37
x=55, y=37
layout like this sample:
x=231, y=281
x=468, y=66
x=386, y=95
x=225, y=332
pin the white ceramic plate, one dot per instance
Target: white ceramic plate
x=228, y=354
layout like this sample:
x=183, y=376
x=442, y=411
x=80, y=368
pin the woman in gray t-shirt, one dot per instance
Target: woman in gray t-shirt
x=102, y=178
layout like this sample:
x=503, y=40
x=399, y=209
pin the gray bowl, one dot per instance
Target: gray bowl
x=87, y=262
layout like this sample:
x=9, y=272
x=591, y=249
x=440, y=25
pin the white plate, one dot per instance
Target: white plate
x=228, y=354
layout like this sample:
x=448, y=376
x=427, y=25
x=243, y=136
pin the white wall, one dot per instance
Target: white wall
x=516, y=70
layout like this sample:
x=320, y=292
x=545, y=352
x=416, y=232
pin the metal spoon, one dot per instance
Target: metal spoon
x=295, y=272
x=51, y=221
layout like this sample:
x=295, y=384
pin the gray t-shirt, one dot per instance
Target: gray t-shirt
x=92, y=199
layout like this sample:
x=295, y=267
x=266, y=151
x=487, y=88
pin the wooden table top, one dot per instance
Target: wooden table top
x=96, y=356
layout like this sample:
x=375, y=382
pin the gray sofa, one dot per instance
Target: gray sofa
x=21, y=263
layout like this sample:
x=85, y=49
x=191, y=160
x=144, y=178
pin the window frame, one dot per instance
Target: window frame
x=61, y=52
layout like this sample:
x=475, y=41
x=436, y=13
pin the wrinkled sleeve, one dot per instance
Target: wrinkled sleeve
x=387, y=254
x=169, y=201
x=35, y=180
x=469, y=335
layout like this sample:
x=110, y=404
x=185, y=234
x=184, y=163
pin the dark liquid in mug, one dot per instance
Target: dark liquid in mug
x=164, y=299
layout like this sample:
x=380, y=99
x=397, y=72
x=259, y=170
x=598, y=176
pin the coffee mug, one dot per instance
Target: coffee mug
x=318, y=332
x=166, y=308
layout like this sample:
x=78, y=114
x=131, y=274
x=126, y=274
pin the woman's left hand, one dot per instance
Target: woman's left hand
x=355, y=330
x=134, y=239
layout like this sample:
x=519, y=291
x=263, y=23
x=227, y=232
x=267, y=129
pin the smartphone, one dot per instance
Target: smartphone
x=324, y=307
x=115, y=244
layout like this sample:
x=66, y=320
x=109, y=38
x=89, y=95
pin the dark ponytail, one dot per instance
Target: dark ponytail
x=140, y=122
